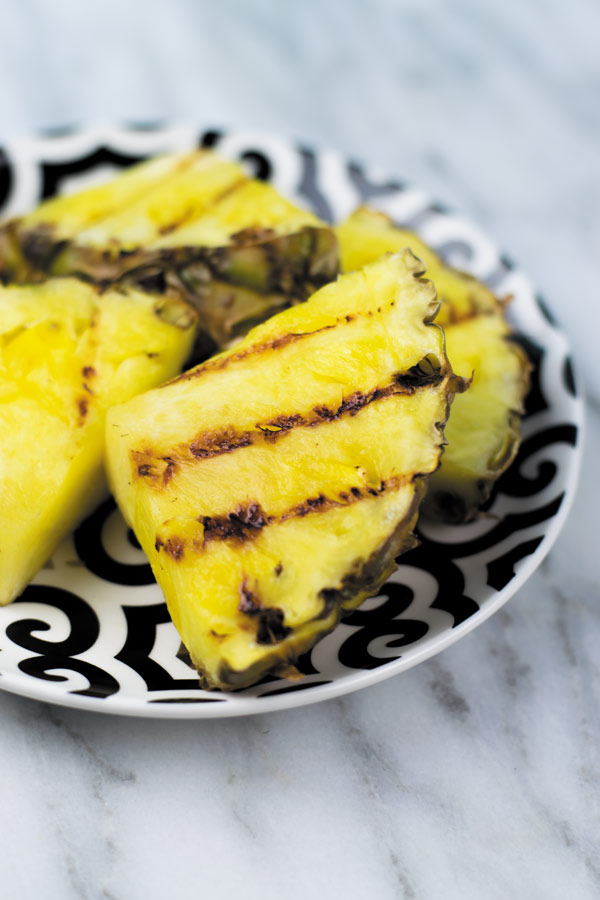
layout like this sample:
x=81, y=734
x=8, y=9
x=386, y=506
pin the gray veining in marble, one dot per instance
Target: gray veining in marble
x=476, y=775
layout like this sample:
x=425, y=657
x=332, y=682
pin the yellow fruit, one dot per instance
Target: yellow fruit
x=236, y=246
x=273, y=486
x=67, y=352
x=483, y=431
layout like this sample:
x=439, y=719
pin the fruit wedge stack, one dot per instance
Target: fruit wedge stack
x=273, y=485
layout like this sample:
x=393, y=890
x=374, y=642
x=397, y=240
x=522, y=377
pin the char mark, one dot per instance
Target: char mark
x=215, y=443
x=227, y=440
x=243, y=524
x=248, y=520
x=271, y=629
x=256, y=349
x=83, y=407
x=427, y=373
x=173, y=546
x=159, y=470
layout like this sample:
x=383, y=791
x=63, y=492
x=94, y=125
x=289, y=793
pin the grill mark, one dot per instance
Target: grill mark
x=215, y=443
x=226, y=440
x=83, y=407
x=243, y=523
x=247, y=521
x=218, y=365
x=168, y=472
x=157, y=469
x=193, y=213
x=173, y=546
x=276, y=343
x=271, y=629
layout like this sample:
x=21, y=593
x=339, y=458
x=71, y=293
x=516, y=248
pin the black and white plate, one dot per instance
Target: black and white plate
x=92, y=630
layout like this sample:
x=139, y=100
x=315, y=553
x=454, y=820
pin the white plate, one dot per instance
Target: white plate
x=93, y=632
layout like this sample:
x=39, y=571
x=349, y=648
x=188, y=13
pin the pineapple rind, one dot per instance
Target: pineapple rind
x=273, y=486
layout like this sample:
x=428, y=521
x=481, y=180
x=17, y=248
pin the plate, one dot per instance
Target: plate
x=92, y=630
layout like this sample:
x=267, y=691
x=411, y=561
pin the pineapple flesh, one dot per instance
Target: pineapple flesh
x=483, y=432
x=67, y=352
x=273, y=486
x=239, y=249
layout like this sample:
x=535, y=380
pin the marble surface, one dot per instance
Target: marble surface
x=475, y=775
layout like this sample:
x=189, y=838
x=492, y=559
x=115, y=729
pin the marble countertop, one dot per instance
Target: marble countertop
x=475, y=775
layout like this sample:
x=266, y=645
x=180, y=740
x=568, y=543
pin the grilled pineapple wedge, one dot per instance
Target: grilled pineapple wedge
x=240, y=249
x=483, y=432
x=67, y=351
x=273, y=486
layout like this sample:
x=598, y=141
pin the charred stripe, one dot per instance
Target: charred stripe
x=276, y=343
x=247, y=521
x=227, y=440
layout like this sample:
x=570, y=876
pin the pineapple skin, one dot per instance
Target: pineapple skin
x=191, y=221
x=67, y=351
x=484, y=431
x=273, y=487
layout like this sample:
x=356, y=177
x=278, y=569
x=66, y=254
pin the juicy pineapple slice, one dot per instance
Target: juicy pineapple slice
x=68, y=351
x=29, y=245
x=273, y=486
x=240, y=249
x=483, y=432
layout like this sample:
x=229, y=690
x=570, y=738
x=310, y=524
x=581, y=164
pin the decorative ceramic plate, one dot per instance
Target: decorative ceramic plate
x=92, y=630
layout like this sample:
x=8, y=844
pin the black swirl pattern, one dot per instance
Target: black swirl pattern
x=292, y=688
x=210, y=139
x=84, y=629
x=545, y=311
x=383, y=621
x=502, y=569
x=141, y=636
x=6, y=178
x=53, y=173
x=437, y=559
x=309, y=187
x=401, y=618
x=258, y=164
x=367, y=188
x=568, y=376
x=90, y=550
x=458, y=252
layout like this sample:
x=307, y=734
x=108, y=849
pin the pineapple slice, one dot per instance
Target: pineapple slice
x=29, y=245
x=273, y=486
x=240, y=250
x=483, y=432
x=67, y=352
